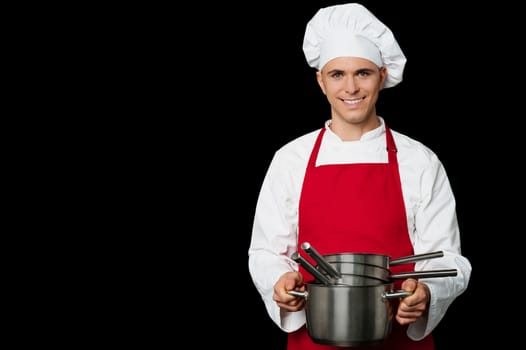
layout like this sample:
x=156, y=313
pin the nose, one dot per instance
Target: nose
x=351, y=86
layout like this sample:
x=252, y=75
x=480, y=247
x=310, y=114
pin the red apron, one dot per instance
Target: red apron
x=356, y=208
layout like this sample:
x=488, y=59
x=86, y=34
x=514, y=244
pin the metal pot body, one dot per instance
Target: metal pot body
x=377, y=260
x=356, y=280
x=366, y=270
x=349, y=315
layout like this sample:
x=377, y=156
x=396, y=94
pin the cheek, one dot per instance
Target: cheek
x=332, y=88
x=322, y=86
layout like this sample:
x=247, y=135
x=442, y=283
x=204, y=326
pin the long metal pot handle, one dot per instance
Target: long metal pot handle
x=425, y=273
x=320, y=260
x=417, y=257
x=310, y=268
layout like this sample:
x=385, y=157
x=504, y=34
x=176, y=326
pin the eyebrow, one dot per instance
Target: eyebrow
x=355, y=71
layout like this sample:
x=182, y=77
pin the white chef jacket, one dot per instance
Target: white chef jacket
x=429, y=203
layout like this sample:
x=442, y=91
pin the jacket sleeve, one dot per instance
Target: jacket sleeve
x=436, y=229
x=274, y=240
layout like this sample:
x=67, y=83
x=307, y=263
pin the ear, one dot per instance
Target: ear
x=383, y=76
x=319, y=78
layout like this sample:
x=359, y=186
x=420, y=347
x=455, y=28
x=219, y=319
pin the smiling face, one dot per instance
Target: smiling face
x=352, y=86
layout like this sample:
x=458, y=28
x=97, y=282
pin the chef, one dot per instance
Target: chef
x=356, y=185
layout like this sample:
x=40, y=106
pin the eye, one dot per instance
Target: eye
x=337, y=74
x=363, y=73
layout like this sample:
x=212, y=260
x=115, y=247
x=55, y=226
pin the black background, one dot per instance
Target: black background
x=250, y=91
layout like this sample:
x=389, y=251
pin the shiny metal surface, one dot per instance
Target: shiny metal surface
x=344, y=315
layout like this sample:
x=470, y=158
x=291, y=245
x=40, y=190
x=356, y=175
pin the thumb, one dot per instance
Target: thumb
x=293, y=280
x=409, y=285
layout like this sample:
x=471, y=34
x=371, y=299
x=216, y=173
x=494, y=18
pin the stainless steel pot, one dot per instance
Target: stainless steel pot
x=344, y=315
x=378, y=260
x=361, y=274
x=353, y=274
x=357, y=280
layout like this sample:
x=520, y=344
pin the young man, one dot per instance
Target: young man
x=355, y=185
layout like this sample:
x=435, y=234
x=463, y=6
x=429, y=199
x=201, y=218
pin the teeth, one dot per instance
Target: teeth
x=353, y=102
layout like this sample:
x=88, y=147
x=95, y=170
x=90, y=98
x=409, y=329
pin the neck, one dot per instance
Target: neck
x=349, y=131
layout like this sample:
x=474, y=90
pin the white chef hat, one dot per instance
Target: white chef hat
x=352, y=30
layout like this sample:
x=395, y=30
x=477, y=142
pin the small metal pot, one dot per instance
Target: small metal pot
x=362, y=274
x=344, y=315
x=355, y=274
x=379, y=260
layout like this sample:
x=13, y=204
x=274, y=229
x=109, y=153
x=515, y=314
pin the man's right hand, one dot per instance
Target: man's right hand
x=289, y=281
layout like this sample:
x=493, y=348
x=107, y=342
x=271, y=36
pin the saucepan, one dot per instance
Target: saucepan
x=361, y=274
x=379, y=260
x=354, y=311
x=358, y=268
x=345, y=315
x=353, y=274
x=350, y=303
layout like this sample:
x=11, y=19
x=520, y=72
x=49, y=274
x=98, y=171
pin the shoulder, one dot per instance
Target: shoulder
x=409, y=145
x=287, y=167
x=297, y=150
x=412, y=151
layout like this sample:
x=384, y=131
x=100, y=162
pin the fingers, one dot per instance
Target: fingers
x=295, y=304
x=289, y=281
x=414, y=306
